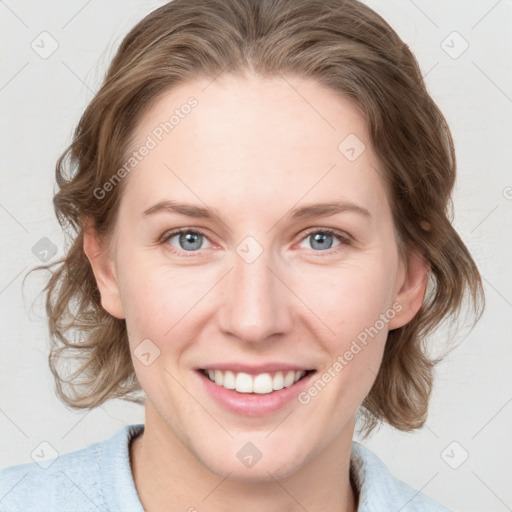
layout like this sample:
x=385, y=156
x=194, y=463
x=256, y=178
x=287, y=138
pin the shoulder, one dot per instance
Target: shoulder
x=83, y=478
x=70, y=478
x=380, y=490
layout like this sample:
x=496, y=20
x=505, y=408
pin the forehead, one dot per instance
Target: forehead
x=245, y=141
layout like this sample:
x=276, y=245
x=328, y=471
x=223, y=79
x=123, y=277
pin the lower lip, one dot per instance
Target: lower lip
x=253, y=404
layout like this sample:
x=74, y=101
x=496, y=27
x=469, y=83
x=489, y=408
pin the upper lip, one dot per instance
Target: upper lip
x=255, y=369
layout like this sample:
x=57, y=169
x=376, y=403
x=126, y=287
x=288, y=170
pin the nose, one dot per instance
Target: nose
x=256, y=303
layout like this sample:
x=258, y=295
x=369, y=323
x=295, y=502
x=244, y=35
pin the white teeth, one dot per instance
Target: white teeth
x=243, y=382
x=219, y=377
x=278, y=381
x=229, y=380
x=262, y=384
x=288, y=380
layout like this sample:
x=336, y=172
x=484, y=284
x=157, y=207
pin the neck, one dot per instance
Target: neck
x=168, y=476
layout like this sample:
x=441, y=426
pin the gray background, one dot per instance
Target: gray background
x=42, y=97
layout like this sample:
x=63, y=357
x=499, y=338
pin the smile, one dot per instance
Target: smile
x=263, y=383
x=254, y=390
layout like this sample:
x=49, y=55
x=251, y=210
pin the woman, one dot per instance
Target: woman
x=259, y=192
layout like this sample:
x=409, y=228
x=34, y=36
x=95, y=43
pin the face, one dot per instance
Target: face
x=286, y=302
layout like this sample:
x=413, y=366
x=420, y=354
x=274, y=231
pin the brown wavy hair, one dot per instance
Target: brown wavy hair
x=341, y=44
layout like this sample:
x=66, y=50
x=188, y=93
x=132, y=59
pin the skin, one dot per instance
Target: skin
x=253, y=149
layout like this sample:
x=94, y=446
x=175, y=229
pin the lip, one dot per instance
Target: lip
x=255, y=369
x=253, y=404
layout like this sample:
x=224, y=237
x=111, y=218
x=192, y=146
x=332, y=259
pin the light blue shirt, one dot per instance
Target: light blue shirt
x=99, y=478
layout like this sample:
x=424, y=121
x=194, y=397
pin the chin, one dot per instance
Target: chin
x=262, y=471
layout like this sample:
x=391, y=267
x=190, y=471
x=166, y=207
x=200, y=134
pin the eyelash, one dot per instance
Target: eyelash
x=343, y=237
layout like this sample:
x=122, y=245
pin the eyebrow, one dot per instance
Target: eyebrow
x=303, y=212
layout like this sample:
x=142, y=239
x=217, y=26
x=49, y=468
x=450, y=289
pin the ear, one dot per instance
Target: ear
x=412, y=288
x=103, y=268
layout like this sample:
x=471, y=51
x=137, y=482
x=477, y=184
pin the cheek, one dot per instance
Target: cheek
x=157, y=297
x=346, y=300
x=354, y=304
x=357, y=312
x=160, y=305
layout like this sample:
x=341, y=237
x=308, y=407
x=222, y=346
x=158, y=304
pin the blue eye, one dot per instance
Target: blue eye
x=191, y=240
x=322, y=239
x=187, y=239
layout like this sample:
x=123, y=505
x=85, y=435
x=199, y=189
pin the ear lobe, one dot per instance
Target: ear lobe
x=104, y=272
x=412, y=290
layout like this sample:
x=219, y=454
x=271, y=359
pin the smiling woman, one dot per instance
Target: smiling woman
x=265, y=273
